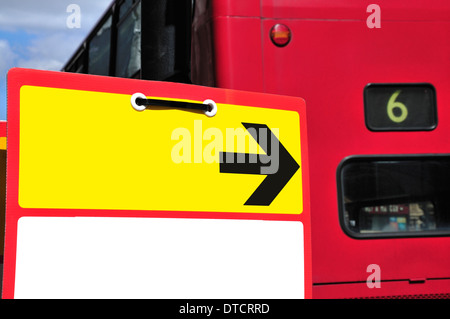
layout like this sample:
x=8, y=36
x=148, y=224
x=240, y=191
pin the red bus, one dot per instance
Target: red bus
x=375, y=78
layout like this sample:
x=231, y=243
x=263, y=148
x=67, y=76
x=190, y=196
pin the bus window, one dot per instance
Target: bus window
x=395, y=196
x=99, y=50
x=166, y=40
x=124, y=8
x=79, y=63
x=130, y=30
x=128, y=58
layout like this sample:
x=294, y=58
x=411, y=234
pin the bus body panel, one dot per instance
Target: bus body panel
x=432, y=289
x=323, y=65
x=328, y=63
x=226, y=8
x=391, y=10
x=238, y=56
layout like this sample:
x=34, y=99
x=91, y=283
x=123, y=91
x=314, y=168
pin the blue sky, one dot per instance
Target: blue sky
x=34, y=34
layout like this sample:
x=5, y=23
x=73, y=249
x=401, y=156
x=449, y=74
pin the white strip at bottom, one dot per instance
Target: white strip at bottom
x=103, y=257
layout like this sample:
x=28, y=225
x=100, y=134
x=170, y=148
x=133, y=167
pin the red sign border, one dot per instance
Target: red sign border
x=18, y=77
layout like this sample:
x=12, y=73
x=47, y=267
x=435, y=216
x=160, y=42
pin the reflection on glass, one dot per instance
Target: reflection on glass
x=99, y=50
x=129, y=44
x=124, y=7
x=399, y=197
x=396, y=218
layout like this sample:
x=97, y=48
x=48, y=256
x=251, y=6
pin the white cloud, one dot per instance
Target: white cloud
x=50, y=52
x=7, y=57
x=48, y=15
x=41, y=64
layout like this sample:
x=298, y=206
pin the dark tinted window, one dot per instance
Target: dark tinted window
x=128, y=59
x=125, y=7
x=395, y=196
x=99, y=50
x=142, y=39
x=166, y=40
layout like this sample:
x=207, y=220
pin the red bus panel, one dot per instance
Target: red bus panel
x=331, y=58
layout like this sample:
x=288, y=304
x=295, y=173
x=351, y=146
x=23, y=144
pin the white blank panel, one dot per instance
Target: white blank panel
x=103, y=257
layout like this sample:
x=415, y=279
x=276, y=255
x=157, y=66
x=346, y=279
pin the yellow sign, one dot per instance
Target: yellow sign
x=93, y=150
x=2, y=143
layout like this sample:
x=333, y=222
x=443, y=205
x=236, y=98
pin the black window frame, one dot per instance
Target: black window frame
x=384, y=235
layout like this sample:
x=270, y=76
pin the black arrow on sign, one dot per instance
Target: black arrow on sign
x=283, y=168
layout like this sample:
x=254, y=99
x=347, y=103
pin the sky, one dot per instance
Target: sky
x=42, y=34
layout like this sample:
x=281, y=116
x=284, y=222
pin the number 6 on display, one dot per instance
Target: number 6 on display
x=394, y=104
